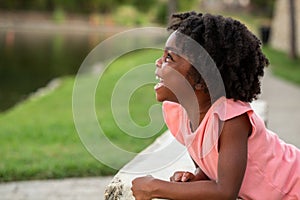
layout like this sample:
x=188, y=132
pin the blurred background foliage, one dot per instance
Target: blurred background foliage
x=135, y=10
x=264, y=7
x=83, y=6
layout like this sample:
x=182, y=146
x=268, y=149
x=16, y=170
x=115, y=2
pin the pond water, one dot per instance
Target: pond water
x=29, y=60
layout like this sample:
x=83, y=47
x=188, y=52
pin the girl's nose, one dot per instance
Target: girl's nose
x=158, y=62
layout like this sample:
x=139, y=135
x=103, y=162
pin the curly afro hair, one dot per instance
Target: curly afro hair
x=234, y=49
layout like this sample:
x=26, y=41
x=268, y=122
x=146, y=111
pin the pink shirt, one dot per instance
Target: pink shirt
x=273, y=167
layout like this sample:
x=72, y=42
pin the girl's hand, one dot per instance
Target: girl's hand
x=181, y=176
x=142, y=188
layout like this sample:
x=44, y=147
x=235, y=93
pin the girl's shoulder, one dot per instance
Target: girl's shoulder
x=228, y=108
x=225, y=109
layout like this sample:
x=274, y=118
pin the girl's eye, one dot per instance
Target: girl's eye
x=168, y=58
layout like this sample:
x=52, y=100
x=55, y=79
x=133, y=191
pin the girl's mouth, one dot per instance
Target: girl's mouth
x=159, y=84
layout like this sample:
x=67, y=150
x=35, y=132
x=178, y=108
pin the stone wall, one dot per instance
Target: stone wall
x=280, y=32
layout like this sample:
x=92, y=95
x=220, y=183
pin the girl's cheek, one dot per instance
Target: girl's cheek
x=164, y=70
x=164, y=64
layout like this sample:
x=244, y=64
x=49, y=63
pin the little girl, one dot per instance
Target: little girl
x=234, y=154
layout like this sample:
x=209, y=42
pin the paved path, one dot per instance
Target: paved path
x=283, y=118
x=283, y=99
x=67, y=189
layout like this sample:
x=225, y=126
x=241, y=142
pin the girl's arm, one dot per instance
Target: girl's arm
x=231, y=168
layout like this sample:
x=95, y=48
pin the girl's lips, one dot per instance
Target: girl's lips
x=159, y=84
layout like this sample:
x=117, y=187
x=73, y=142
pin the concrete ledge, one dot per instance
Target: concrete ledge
x=161, y=159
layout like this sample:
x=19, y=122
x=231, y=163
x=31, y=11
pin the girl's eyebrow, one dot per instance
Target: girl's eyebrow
x=171, y=49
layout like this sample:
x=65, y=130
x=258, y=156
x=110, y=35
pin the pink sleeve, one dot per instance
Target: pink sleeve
x=228, y=108
x=173, y=114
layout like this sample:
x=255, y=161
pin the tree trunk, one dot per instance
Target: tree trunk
x=293, y=39
x=172, y=7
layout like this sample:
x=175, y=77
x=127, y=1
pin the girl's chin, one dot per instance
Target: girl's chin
x=163, y=94
x=159, y=92
x=159, y=98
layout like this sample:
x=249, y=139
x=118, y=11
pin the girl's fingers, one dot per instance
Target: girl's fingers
x=186, y=176
x=176, y=176
x=182, y=176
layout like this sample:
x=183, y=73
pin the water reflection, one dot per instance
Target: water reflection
x=29, y=60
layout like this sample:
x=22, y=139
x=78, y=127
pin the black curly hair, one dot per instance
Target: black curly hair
x=235, y=50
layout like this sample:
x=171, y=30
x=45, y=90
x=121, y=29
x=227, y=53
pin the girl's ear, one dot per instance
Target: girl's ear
x=201, y=87
x=198, y=86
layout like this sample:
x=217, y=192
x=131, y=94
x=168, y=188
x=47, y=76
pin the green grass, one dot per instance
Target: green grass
x=283, y=66
x=38, y=139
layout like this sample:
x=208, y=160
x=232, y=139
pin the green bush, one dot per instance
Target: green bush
x=160, y=13
x=128, y=15
x=82, y=6
x=264, y=7
x=59, y=15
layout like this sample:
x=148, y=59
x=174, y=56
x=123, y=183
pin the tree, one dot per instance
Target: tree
x=172, y=7
x=293, y=39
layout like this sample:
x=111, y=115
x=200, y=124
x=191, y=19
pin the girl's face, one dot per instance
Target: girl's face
x=172, y=70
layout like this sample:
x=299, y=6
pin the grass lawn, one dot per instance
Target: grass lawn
x=282, y=66
x=38, y=139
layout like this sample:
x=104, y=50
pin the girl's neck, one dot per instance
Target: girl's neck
x=196, y=110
